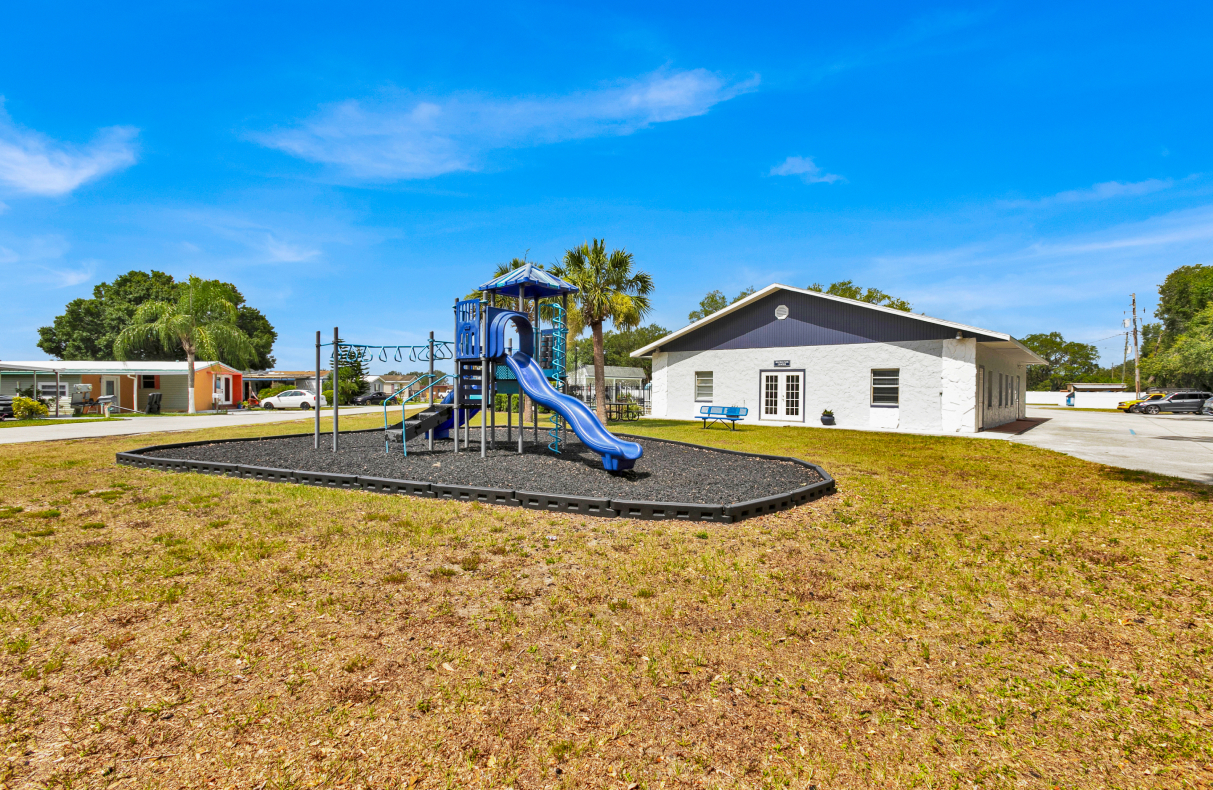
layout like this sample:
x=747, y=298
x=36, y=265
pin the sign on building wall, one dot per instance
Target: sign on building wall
x=783, y=363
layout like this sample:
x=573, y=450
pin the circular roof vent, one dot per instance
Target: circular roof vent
x=781, y=312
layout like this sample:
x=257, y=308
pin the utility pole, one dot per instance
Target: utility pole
x=1125, y=362
x=1136, y=353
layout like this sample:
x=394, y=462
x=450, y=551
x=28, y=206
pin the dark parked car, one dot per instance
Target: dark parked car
x=1176, y=402
x=370, y=399
x=6, y=407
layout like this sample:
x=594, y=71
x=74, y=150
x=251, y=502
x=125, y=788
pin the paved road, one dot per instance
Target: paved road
x=1171, y=444
x=166, y=423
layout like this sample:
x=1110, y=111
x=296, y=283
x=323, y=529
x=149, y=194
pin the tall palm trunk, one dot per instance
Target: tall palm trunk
x=599, y=372
x=189, y=356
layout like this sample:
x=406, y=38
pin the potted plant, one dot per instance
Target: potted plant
x=827, y=417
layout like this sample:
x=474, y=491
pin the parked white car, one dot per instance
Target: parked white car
x=294, y=399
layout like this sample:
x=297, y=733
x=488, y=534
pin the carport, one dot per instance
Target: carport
x=25, y=369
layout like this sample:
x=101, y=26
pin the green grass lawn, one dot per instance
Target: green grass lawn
x=964, y=612
x=51, y=421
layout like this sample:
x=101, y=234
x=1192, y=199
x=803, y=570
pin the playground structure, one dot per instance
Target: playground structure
x=486, y=365
x=683, y=482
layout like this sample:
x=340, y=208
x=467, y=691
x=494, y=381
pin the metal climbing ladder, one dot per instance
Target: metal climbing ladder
x=559, y=339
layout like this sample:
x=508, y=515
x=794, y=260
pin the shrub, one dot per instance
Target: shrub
x=349, y=391
x=28, y=409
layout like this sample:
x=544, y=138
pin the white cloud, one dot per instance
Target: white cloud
x=1026, y=285
x=66, y=278
x=804, y=167
x=33, y=163
x=266, y=242
x=1106, y=190
x=405, y=137
x=284, y=252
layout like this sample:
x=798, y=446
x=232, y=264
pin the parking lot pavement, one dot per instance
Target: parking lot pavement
x=1170, y=444
x=165, y=423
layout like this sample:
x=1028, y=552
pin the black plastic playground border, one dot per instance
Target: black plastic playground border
x=533, y=500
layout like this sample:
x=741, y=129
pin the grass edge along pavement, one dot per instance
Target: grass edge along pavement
x=41, y=421
x=962, y=612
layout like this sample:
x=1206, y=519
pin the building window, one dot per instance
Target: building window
x=1017, y=390
x=989, y=390
x=703, y=385
x=791, y=396
x=148, y=383
x=886, y=386
x=47, y=390
x=770, y=395
x=1002, y=389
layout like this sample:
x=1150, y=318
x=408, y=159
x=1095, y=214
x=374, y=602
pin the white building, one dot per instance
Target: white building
x=787, y=354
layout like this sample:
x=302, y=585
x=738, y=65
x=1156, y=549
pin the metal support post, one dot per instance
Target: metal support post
x=135, y=404
x=484, y=377
x=430, y=433
x=458, y=383
x=521, y=397
x=564, y=372
x=336, y=388
x=509, y=417
x=319, y=395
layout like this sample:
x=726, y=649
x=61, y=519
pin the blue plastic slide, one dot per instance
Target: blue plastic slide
x=617, y=454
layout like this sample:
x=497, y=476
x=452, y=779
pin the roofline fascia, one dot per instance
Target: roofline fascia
x=647, y=350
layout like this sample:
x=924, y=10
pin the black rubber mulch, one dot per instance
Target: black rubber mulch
x=666, y=473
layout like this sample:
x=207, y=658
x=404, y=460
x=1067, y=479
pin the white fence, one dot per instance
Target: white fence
x=1082, y=400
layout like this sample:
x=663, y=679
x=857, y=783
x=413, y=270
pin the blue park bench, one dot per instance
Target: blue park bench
x=729, y=414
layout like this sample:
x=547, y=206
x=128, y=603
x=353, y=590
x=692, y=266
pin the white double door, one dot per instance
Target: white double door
x=781, y=395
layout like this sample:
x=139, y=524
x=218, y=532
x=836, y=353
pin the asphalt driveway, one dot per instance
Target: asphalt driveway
x=166, y=423
x=1171, y=444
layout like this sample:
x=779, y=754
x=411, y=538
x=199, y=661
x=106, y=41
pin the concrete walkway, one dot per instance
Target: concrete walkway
x=1180, y=445
x=170, y=424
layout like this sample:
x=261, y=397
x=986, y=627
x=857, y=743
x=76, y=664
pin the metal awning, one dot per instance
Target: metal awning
x=24, y=367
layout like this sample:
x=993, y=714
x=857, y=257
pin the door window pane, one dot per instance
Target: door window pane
x=703, y=385
x=791, y=396
x=886, y=385
x=109, y=387
x=770, y=400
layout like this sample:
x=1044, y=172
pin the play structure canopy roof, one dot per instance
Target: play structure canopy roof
x=535, y=281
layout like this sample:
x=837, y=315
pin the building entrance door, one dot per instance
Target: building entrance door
x=781, y=395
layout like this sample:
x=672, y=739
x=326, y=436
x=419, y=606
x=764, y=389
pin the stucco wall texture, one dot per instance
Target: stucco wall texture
x=938, y=383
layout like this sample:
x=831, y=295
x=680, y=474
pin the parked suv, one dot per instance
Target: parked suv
x=1176, y=402
x=370, y=398
x=6, y=407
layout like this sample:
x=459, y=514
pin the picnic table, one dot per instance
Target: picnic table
x=729, y=414
x=623, y=412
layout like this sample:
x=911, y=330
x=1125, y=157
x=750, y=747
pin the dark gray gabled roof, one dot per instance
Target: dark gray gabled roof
x=813, y=319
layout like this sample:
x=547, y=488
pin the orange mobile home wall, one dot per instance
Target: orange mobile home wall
x=204, y=387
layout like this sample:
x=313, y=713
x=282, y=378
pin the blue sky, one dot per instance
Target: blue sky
x=1020, y=167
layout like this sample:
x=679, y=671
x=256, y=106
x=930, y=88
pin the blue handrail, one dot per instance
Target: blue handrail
x=441, y=377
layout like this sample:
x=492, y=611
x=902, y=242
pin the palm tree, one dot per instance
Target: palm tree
x=201, y=321
x=608, y=289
